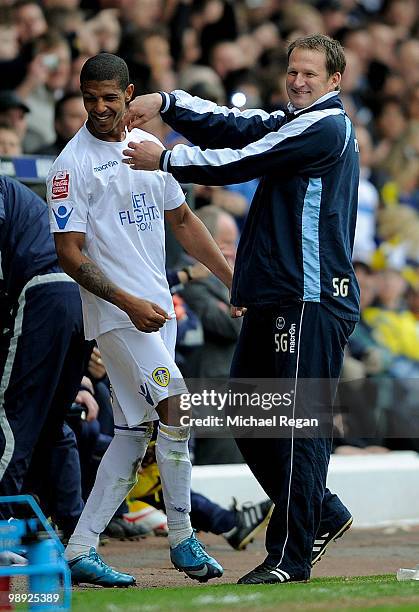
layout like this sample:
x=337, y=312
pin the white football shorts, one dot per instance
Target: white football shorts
x=142, y=371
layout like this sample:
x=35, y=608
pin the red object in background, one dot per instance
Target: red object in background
x=179, y=305
x=4, y=593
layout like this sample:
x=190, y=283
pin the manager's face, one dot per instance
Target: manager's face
x=307, y=78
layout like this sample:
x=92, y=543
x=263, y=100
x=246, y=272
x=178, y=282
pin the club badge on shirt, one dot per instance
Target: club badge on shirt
x=60, y=189
x=161, y=376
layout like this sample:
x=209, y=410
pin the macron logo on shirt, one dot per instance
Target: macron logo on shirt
x=106, y=166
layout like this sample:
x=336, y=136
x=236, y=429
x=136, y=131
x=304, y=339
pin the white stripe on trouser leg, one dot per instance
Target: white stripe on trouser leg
x=175, y=468
x=8, y=366
x=292, y=433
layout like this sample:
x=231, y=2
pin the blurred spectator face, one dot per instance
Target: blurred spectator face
x=9, y=142
x=250, y=49
x=191, y=50
x=394, y=86
x=73, y=116
x=30, y=22
x=402, y=13
x=409, y=61
x=157, y=53
x=367, y=286
x=302, y=19
x=334, y=18
x=353, y=72
x=9, y=47
x=259, y=11
x=267, y=36
x=226, y=57
x=402, y=163
x=73, y=84
x=390, y=288
x=16, y=117
x=279, y=95
x=227, y=236
x=383, y=41
x=307, y=78
x=359, y=41
x=413, y=300
x=141, y=13
x=107, y=31
x=391, y=121
x=413, y=103
x=58, y=59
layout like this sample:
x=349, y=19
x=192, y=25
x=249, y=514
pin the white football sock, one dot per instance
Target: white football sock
x=175, y=467
x=116, y=476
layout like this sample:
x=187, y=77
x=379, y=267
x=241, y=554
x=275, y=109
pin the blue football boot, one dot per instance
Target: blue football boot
x=190, y=557
x=91, y=569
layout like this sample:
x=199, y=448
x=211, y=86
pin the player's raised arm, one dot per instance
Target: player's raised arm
x=203, y=122
x=145, y=315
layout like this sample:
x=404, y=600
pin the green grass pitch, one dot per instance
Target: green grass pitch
x=378, y=593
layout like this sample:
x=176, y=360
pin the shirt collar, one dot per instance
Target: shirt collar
x=291, y=108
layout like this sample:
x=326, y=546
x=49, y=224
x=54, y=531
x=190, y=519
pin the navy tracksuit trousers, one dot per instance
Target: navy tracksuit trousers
x=293, y=470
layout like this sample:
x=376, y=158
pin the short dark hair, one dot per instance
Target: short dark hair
x=333, y=50
x=105, y=67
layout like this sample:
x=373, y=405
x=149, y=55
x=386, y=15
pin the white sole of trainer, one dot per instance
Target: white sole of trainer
x=256, y=530
x=338, y=535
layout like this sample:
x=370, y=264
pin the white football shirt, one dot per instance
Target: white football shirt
x=121, y=211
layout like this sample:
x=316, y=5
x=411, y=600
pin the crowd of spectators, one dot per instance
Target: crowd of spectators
x=234, y=52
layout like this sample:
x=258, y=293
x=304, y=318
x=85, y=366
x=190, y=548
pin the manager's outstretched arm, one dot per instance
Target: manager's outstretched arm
x=202, y=122
x=310, y=144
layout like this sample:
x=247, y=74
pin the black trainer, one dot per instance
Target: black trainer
x=251, y=519
x=323, y=540
x=269, y=574
x=123, y=530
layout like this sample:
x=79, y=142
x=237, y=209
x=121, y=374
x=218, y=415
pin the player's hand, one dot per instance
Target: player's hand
x=143, y=155
x=237, y=311
x=146, y=316
x=141, y=110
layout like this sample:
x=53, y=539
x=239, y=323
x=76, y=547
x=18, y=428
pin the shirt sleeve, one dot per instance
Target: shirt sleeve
x=206, y=124
x=67, y=197
x=309, y=144
x=173, y=194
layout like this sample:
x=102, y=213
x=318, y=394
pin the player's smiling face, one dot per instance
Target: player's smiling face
x=105, y=103
x=307, y=78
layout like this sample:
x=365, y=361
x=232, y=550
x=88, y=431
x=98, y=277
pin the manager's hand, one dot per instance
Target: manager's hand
x=142, y=109
x=143, y=155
